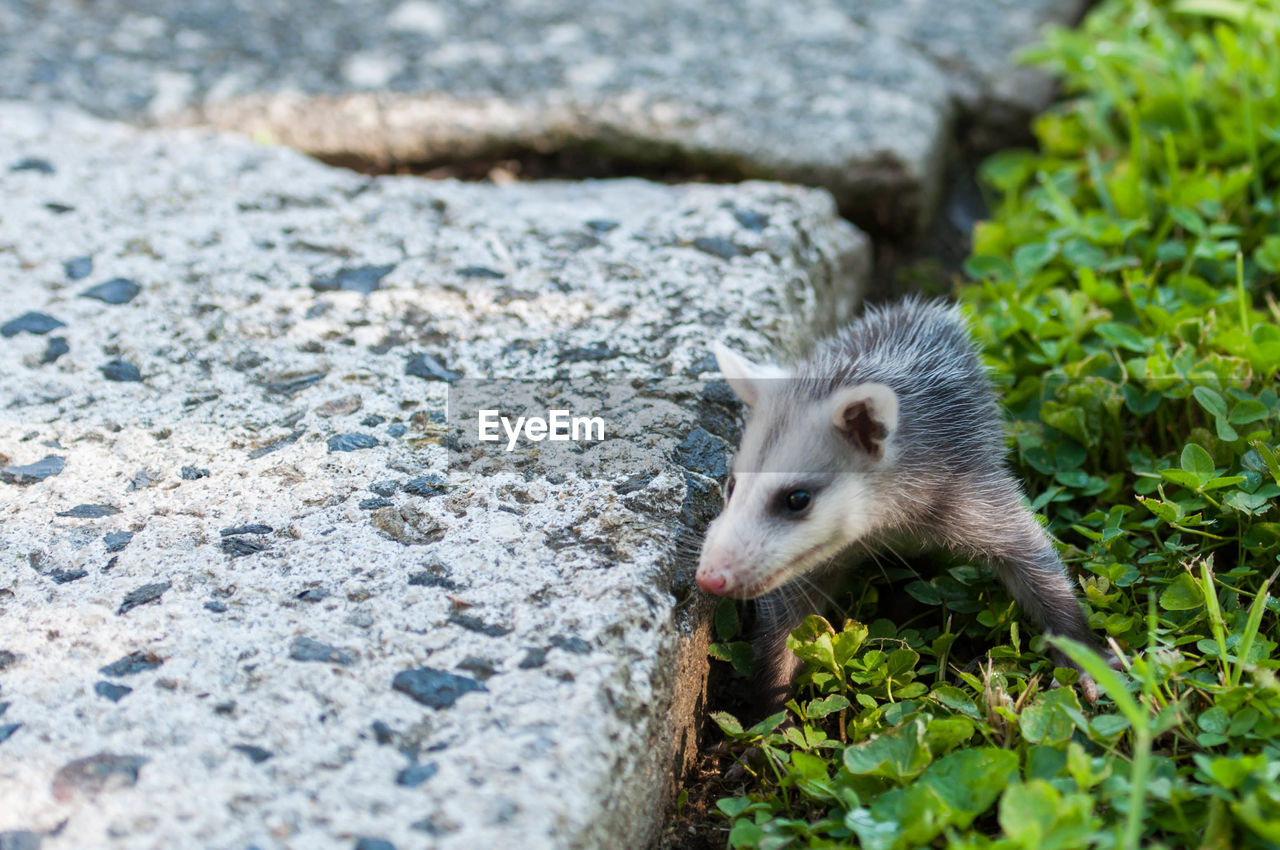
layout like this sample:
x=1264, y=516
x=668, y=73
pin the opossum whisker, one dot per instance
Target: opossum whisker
x=907, y=565
x=819, y=589
x=875, y=559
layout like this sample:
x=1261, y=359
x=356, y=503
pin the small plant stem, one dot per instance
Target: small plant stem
x=941, y=676
x=1240, y=550
x=1166, y=224
x=1138, y=773
x=1215, y=615
x=1099, y=182
x=1209, y=499
x=1197, y=531
x=1251, y=33
x=1241, y=298
x=1142, y=739
x=1256, y=610
x=1217, y=833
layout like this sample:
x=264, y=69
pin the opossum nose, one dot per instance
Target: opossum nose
x=712, y=582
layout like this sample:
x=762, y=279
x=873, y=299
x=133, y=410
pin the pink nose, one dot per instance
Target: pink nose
x=712, y=582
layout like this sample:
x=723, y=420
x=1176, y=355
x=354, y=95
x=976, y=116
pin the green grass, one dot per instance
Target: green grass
x=1124, y=293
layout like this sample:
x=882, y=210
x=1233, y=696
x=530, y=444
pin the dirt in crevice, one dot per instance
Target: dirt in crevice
x=695, y=823
x=571, y=161
x=884, y=211
x=930, y=262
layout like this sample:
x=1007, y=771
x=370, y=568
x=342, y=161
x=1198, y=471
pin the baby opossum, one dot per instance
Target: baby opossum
x=888, y=435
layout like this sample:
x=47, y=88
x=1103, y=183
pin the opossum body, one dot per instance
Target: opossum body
x=889, y=432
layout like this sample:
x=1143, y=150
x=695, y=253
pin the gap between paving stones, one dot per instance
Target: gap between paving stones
x=870, y=99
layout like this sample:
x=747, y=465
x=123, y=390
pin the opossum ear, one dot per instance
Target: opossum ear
x=866, y=415
x=748, y=380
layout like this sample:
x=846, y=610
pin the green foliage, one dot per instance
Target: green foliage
x=1124, y=294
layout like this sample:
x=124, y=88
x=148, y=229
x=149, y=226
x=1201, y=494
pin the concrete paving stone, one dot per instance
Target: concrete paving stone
x=505, y=651
x=976, y=43
x=859, y=96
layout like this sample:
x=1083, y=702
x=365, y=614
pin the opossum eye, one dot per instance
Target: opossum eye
x=728, y=488
x=797, y=501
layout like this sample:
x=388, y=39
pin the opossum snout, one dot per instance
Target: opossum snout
x=713, y=581
x=720, y=562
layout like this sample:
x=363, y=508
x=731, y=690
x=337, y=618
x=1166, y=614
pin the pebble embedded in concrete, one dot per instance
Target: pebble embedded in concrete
x=118, y=290
x=33, y=472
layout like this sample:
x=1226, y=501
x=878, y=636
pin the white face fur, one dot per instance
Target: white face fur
x=802, y=487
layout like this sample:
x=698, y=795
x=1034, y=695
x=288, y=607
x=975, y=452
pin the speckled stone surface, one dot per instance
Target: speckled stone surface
x=864, y=97
x=251, y=603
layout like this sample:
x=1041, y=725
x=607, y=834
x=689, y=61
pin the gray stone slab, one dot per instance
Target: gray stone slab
x=976, y=44
x=309, y=638
x=859, y=96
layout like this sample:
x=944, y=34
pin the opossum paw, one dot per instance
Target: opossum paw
x=738, y=772
x=747, y=761
x=1088, y=688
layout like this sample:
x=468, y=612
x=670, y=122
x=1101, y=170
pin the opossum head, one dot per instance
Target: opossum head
x=803, y=484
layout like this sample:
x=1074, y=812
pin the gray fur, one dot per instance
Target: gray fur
x=941, y=484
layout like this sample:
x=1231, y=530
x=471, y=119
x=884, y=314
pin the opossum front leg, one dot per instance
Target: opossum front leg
x=1030, y=568
x=778, y=613
x=1034, y=574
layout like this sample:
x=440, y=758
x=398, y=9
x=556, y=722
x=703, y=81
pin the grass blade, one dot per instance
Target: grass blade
x=1111, y=682
x=1256, y=610
x=1214, y=612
